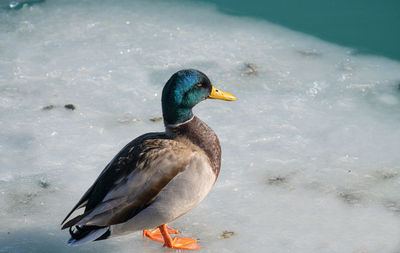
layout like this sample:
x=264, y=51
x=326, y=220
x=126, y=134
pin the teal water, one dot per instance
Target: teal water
x=368, y=26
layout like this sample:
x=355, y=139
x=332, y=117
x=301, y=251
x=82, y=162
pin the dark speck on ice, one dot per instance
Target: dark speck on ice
x=43, y=183
x=277, y=180
x=249, y=69
x=70, y=106
x=156, y=119
x=47, y=107
x=226, y=234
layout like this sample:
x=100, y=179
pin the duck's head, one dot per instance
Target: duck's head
x=183, y=91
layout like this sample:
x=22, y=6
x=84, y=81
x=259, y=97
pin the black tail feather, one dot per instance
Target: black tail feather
x=80, y=232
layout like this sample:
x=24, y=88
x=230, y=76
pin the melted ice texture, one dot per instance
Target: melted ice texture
x=310, y=149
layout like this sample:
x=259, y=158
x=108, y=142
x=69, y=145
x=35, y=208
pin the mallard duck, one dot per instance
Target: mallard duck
x=157, y=177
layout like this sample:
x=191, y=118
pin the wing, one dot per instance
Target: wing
x=132, y=180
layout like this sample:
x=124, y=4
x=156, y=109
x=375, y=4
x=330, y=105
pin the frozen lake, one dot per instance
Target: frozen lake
x=310, y=149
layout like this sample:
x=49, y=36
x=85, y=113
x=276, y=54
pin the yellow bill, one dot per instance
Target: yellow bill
x=219, y=94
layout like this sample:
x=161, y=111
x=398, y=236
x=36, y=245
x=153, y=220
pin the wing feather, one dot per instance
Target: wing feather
x=151, y=164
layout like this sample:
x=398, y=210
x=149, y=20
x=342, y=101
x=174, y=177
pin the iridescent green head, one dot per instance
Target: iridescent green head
x=183, y=91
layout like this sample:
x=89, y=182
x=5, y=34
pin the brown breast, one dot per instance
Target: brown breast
x=201, y=135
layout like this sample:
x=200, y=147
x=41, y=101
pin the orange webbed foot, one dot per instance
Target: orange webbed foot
x=177, y=242
x=156, y=234
x=183, y=243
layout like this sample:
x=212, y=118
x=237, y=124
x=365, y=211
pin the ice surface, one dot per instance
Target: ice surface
x=310, y=149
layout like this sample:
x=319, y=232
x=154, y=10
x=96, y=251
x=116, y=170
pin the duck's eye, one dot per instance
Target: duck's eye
x=199, y=84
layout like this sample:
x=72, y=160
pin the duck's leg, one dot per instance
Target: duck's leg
x=177, y=242
x=156, y=233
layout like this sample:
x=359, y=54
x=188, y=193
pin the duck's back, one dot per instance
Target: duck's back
x=123, y=164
